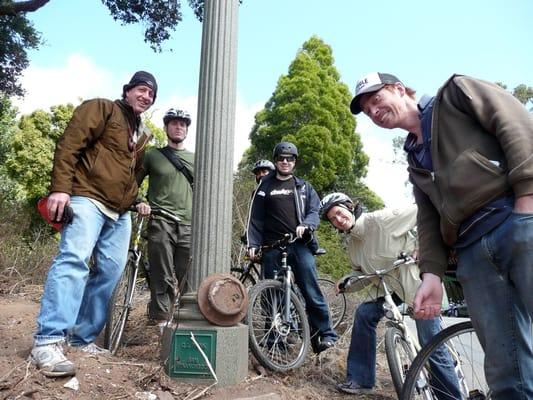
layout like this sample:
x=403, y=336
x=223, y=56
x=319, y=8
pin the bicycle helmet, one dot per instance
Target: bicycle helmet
x=338, y=199
x=285, y=148
x=176, y=113
x=263, y=164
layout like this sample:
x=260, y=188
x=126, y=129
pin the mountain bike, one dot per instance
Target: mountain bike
x=461, y=341
x=278, y=330
x=121, y=300
x=401, y=345
x=248, y=272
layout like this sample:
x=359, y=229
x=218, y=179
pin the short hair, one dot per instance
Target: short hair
x=410, y=92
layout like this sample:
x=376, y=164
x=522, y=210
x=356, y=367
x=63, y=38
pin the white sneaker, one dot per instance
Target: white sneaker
x=51, y=360
x=93, y=349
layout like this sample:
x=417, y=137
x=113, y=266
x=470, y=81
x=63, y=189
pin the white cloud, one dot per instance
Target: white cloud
x=385, y=178
x=78, y=79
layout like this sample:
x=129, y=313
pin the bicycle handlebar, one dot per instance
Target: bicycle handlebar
x=160, y=212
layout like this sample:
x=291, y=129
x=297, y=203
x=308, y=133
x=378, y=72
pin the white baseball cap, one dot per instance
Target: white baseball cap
x=368, y=84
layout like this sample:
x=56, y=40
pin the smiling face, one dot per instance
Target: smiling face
x=285, y=164
x=140, y=98
x=341, y=218
x=386, y=107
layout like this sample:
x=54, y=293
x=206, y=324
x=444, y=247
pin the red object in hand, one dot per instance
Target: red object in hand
x=43, y=210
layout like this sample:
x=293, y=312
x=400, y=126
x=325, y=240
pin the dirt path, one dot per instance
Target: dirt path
x=135, y=372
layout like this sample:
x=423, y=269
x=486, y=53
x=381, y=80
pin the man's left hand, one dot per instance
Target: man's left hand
x=428, y=298
x=300, y=230
x=524, y=204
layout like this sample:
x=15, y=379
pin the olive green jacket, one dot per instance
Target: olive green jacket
x=481, y=147
x=92, y=158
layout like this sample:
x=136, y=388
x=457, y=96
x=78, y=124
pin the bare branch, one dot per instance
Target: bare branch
x=13, y=8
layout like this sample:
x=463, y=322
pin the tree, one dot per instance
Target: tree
x=309, y=108
x=18, y=35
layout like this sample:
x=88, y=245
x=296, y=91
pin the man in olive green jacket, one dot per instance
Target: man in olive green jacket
x=470, y=154
x=93, y=175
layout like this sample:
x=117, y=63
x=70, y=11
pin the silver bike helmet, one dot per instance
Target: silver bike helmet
x=263, y=164
x=339, y=199
x=176, y=113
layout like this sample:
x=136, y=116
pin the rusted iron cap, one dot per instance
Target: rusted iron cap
x=222, y=299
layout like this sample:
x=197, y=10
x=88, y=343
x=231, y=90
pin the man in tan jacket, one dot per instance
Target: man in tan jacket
x=374, y=241
x=93, y=175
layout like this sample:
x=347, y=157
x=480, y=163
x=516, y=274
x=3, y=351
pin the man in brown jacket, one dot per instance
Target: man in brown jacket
x=470, y=154
x=94, y=175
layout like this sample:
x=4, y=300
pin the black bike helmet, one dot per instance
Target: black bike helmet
x=285, y=148
x=175, y=113
x=339, y=199
x=263, y=164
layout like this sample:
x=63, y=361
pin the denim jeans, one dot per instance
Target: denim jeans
x=303, y=266
x=361, y=367
x=496, y=273
x=75, y=299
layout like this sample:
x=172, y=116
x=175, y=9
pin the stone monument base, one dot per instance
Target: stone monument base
x=225, y=347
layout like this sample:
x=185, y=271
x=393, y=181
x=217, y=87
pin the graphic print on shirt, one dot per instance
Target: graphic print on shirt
x=280, y=211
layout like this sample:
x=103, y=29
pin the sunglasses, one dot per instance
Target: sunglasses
x=286, y=158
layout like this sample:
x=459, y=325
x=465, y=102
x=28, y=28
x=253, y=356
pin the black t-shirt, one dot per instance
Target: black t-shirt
x=280, y=211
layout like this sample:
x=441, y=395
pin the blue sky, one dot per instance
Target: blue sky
x=87, y=54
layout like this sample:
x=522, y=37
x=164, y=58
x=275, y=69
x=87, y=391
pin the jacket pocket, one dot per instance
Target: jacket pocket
x=473, y=181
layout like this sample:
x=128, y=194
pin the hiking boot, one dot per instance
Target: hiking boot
x=353, y=388
x=51, y=361
x=323, y=344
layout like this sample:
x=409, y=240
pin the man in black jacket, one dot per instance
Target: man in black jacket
x=284, y=203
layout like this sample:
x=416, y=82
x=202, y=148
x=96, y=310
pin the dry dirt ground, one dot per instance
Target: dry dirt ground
x=136, y=373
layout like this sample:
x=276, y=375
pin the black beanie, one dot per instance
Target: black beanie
x=141, y=78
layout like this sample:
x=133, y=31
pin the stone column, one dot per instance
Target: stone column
x=213, y=189
x=213, y=186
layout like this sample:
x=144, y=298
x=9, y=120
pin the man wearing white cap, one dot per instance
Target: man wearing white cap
x=470, y=155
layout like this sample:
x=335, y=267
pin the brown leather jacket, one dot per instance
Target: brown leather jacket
x=92, y=158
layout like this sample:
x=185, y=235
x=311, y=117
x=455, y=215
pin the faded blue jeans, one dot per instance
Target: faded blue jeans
x=496, y=273
x=361, y=367
x=303, y=266
x=75, y=299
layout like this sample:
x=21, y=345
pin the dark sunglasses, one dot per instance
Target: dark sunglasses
x=286, y=158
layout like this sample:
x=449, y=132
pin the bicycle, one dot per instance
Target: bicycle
x=401, y=345
x=278, y=330
x=121, y=301
x=467, y=354
x=248, y=273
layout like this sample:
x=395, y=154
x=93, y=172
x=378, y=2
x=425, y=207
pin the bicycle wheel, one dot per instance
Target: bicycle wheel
x=277, y=344
x=336, y=302
x=119, y=307
x=399, y=356
x=467, y=355
x=245, y=274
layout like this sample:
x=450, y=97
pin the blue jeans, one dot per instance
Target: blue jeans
x=75, y=299
x=303, y=266
x=361, y=367
x=496, y=273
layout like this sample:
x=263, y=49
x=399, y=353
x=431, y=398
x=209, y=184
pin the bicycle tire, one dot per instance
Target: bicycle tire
x=119, y=307
x=399, y=356
x=468, y=357
x=276, y=344
x=336, y=302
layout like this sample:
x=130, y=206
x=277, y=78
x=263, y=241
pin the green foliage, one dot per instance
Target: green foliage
x=17, y=36
x=160, y=137
x=335, y=262
x=310, y=108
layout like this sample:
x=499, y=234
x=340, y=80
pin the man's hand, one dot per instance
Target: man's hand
x=143, y=209
x=428, y=298
x=300, y=230
x=524, y=204
x=252, y=253
x=339, y=286
x=56, y=205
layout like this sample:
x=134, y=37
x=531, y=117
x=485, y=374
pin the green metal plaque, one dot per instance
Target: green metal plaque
x=185, y=360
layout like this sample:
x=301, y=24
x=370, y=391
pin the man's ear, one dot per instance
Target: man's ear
x=400, y=88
